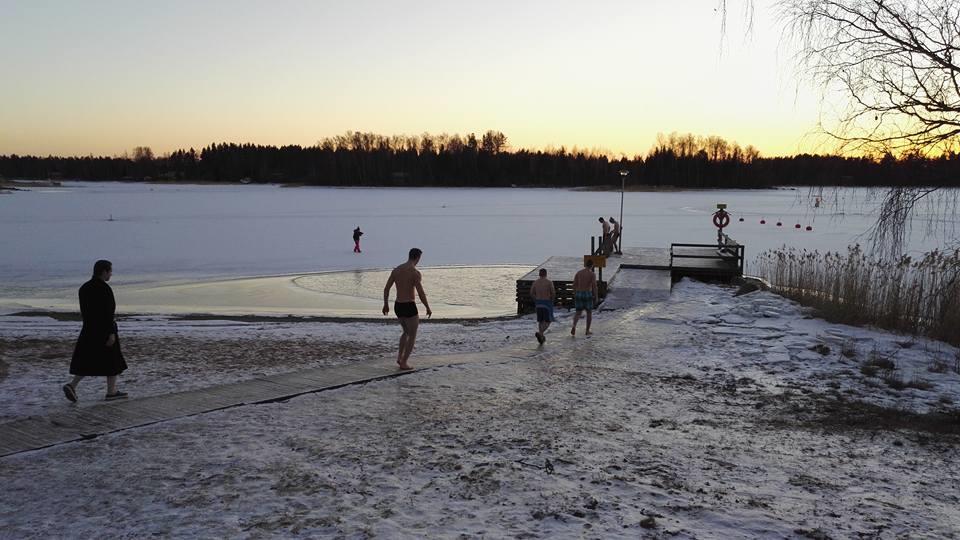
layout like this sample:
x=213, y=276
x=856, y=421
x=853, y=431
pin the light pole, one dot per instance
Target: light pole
x=623, y=183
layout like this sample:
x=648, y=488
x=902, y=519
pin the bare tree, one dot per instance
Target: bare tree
x=142, y=153
x=493, y=142
x=896, y=66
x=895, y=62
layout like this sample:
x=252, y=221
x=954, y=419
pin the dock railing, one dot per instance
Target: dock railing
x=728, y=250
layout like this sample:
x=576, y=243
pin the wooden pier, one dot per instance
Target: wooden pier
x=708, y=262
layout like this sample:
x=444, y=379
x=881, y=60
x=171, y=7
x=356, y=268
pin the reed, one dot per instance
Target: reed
x=916, y=296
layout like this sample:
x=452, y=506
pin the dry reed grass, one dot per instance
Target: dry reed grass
x=915, y=296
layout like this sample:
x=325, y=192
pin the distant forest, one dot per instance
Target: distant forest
x=367, y=159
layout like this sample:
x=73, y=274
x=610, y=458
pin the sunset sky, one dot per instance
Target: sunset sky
x=101, y=77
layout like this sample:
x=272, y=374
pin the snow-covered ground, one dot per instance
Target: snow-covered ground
x=170, y=355
x=703, y=416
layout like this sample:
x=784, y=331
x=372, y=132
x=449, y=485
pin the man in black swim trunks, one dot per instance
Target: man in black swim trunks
x=408, y=280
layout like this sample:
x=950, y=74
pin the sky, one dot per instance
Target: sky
x=102, y=77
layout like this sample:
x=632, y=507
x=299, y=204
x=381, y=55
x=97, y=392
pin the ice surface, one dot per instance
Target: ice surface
x=161, y=234
x=167, y=232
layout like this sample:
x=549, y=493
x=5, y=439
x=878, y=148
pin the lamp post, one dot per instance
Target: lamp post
x=623, y=183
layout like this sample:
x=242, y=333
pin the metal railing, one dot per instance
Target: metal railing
x=728, y=250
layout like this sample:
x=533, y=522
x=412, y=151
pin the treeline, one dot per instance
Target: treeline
x=368, y=159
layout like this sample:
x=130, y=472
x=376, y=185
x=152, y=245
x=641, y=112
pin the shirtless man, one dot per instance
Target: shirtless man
x=615, y=237
x=543, y=295
x=407, y=278
x=584, y=294
x=605, y=240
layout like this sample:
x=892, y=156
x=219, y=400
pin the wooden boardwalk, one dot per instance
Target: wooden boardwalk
x=80, y=422
x=635, y=286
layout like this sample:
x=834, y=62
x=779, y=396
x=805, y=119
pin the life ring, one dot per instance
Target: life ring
x=721, y=219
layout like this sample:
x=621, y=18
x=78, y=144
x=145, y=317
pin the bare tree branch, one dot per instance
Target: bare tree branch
x=896, y=64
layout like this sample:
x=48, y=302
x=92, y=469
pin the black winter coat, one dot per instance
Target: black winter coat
x=91, y=356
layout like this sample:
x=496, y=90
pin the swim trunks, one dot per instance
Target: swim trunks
x=544, y=310
x=405, y=309
x=583, y=300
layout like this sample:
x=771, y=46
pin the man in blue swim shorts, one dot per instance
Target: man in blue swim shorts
x=584, y=295
x=543, y=295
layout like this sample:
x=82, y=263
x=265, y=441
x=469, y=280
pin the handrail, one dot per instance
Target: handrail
x=729, y=251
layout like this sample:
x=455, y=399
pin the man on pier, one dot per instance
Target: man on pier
x=615, y=237
x=584, y=294
x=543, y=295
x=407, y=278
x=605, y=239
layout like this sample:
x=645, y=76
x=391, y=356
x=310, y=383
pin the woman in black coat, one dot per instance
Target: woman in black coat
x=97, y=352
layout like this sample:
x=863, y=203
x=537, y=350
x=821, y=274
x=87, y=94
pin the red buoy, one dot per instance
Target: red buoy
x=741, y=219
x=763, y=222
x=721, y=219
x=779, y=224
x=809, y=228
x=797, y=226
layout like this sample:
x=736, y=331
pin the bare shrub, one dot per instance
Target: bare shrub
x=915, y=296
x=882, y=361
x=938, y=365
x=848, y=349
x=894, y=379
x=876, y=363
x=860, y=415
x=918, y=382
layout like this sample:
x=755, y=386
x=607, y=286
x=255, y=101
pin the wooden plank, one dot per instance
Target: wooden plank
x=147, y=409
x=318, y=375
x=250, y=387
x=252, y=391
x=292, y=383
x=202, y=396
x=309, y=376
x=42, y=428
x=22, y=435
x=9, y=446
x=87, y=417
x=146, y=412
x=15, y=446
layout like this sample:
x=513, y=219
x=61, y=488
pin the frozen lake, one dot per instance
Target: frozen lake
x=174, y=234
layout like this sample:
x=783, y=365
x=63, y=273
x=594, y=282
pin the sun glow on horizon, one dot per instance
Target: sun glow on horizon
x=103, y=77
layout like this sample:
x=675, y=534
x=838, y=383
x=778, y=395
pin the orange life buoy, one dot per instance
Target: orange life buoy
x=721, y=219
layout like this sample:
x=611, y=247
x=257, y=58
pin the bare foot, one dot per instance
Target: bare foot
x=405, y=367
x=589, y=333
x=573, y=331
